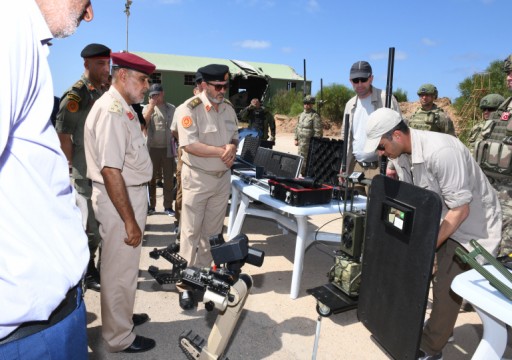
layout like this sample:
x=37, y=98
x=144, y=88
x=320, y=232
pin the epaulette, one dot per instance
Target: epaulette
x=116, y=107
x=78, y=85
x=194, y=103
x=229, y=103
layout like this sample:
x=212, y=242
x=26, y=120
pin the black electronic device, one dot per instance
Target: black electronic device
x=352, y=233
x=224, y=286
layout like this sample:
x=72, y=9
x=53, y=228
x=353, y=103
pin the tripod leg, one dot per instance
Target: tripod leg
x=317, y=337
x=226, y=321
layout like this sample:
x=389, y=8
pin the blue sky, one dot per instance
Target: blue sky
x=438, y=41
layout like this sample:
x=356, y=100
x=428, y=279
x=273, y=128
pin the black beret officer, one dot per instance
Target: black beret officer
x=75, y=105
x=95, y=50
x=215, y=72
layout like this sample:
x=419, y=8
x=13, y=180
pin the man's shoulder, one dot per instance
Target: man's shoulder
x=193, y=102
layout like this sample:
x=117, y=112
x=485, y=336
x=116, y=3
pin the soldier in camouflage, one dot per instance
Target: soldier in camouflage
x=75, y=105
x=494, y=155
x=481, y=130
x=309, y=125
x=429, y=116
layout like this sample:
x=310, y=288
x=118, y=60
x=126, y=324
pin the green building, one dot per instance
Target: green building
x=249, y=79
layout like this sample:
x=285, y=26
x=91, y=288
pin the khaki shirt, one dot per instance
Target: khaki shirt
x=197, y=121
x=442, y=164
x=113, y=138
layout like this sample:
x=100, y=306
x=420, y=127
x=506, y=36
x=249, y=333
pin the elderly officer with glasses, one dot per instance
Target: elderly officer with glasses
x=208, y=133
x=368, y=99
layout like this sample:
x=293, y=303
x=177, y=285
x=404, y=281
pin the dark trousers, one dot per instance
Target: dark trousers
x=446, y=304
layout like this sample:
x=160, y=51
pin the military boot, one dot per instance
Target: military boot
x=92, y=277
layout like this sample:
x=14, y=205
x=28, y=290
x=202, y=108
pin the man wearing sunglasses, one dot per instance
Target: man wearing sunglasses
x=471, y=210
x=368, y=99
x=208, y=133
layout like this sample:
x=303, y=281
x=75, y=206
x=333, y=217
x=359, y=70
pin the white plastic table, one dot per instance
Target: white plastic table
x=241, y=196
x=494, y=309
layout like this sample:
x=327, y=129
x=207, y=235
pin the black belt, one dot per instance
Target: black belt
x=369, y=164
x=66, y=307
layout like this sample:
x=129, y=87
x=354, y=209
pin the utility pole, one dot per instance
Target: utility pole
x=127, y=12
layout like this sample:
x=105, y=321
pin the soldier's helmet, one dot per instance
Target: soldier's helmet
x=428, y=89
x=507, y=64
x=491, y=102
x=308, y=99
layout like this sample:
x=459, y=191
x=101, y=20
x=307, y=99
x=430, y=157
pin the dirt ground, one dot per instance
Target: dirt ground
x=286, y=124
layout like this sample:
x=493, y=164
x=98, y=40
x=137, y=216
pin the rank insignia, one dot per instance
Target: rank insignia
x=505, y=116
x=186, y=122
x=72, y=106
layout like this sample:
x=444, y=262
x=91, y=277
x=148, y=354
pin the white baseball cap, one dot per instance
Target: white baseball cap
x=380, y=122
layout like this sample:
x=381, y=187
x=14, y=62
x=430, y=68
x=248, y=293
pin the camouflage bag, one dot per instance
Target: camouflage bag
x=345, y=274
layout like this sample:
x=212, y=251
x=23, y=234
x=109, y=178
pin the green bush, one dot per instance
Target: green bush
x=286, y=102
x=335, y=97
x=400, y=95
x=493, y=81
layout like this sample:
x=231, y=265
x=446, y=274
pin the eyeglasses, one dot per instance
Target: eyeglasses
x=219, y=87
x=381, y=147
x=360, y=80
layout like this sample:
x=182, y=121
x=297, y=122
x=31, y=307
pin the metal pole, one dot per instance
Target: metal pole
x=127, y=12
x=304, y=87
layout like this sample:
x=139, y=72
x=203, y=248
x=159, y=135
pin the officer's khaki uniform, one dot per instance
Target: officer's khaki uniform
x=74, y=107
x=113, y=138
x=206, y=181
x=162, y=152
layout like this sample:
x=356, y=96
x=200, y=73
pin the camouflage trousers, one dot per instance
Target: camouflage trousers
x=505, y=197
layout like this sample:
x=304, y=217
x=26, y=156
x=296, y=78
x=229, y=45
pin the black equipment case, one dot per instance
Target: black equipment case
x=296, y=195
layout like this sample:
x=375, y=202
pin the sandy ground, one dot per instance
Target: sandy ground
x=272, y=325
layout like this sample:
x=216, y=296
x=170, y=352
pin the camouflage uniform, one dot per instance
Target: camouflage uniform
x=74, y=107
x=482, y=129
x=434, y=119
x=494, y=155
x=309, y=124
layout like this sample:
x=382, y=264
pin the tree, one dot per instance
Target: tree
x=400, y=95
x=491, y=81
x=335, y=97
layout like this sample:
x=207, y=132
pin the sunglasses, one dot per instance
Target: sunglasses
x=360, y=80
x=219, y=87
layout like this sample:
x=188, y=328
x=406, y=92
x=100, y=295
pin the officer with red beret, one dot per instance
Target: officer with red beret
x=119, y=166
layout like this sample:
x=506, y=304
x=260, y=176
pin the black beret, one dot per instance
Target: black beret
x=133, y=62
x=215, y=72
x=95, y=50
x=198, y=78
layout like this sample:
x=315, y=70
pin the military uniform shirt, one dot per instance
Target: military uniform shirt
x=113, y=138
x=432, y=120
x=74, y=106
x=198, y=121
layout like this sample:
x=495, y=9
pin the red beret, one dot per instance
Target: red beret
x=132, y=61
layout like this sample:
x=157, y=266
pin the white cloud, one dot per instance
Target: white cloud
x=399, y=55
x=428, y=42
x=253, y=44
x=313, y=5
x=286, y=49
